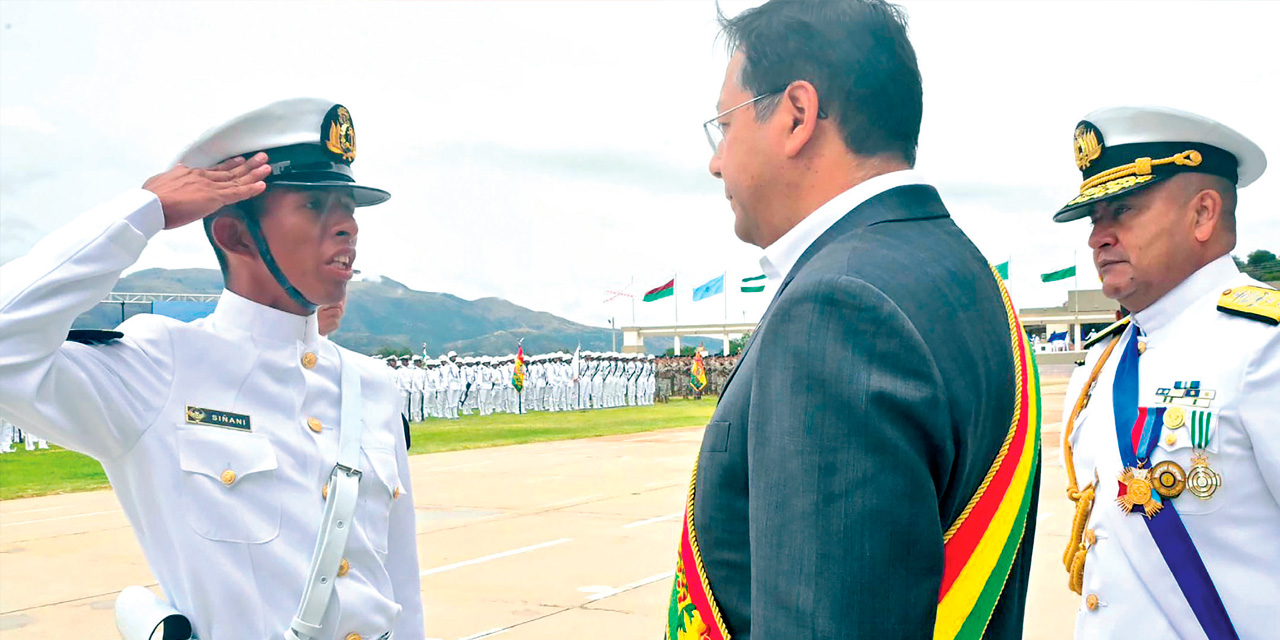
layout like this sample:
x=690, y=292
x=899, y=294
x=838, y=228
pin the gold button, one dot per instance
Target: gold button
x=395, y=494
x=353, y=636
x=1091, y=602
x=1090, y=538
x=228, y=477
x=309, y=360
x=343, y=568
x=314, y=424
x=324, y=493
x=1227, y=292
x=1171, y=439
x=1142, y=348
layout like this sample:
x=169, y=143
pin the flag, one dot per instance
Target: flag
x=625, y=292
x=661, y=292
x=1060, y=274
x=1003, y=270
x=576, y=366
x=712, y=287
x=698, y=376
x=517, y=378
x=753, y=288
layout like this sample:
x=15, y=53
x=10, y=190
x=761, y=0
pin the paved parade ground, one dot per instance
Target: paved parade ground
x=570, y=539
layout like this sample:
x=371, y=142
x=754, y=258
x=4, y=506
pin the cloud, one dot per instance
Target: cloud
x=24, y=118
x=544, y=152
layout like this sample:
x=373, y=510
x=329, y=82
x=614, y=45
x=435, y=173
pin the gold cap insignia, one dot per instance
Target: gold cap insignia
x=1088, y=144
x=339, y=133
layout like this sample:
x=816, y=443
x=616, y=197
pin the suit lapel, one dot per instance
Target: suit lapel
x=910, y=202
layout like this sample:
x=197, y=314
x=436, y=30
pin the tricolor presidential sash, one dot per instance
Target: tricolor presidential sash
x=692, y=614
x=979, y=548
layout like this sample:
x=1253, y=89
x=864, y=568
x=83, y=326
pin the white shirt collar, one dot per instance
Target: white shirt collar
x=781, y=256
x=261, y=321
x=1216, y=275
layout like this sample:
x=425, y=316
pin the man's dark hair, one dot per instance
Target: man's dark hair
x=854, y=52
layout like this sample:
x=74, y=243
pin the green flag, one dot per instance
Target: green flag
x=753, y=288
x=1003, y=270
x=1060, y=274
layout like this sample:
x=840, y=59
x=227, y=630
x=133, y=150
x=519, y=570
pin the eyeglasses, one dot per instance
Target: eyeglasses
x=715, y=131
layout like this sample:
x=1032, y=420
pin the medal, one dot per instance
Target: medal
x=1168, y=479
x=1202, y=480
x=1174, y=418
x=1136, y=491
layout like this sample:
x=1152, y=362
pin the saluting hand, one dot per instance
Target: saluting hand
x=187, y=195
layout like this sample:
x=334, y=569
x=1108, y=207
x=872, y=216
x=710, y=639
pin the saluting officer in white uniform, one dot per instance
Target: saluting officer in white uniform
x=220, y=436
x=1172, y=426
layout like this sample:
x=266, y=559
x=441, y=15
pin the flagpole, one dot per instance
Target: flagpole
x=1075, y=270
x=675, y=298
x=724, y=284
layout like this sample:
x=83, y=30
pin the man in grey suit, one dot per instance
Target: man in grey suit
x=874, y=397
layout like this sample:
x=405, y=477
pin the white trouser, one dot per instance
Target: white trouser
x=452, y=396
x=7, y=433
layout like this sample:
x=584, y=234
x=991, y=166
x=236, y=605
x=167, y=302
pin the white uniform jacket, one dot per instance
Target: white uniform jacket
x=227, y=517
x=1237, y=361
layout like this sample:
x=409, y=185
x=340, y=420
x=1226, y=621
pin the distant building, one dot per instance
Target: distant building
x=1084, y=312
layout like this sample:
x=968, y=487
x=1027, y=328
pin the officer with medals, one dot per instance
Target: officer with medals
x=1171, y=430
x=263, y=467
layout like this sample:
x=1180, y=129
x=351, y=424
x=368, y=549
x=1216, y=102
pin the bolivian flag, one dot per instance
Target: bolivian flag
x=517, y=378
x=698, y=376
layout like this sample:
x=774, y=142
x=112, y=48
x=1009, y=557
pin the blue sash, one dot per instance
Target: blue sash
x=1166, y=528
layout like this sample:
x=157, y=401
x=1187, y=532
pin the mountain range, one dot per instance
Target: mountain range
x=385, y=313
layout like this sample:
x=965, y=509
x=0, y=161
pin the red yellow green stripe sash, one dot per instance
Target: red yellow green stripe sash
x=692, y=614
x=981, y=545
x=979, y=548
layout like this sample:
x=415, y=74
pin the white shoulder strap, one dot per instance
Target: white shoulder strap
x=344, y=487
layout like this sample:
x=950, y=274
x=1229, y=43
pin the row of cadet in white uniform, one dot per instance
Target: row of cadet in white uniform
x=449, y=386
x=11, y=435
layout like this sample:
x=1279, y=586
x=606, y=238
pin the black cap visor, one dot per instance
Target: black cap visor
x=309, y=166
x=1079, y=208
x=1137, y=166
x=364, y=196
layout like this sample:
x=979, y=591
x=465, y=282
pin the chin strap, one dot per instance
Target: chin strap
x=264, y=250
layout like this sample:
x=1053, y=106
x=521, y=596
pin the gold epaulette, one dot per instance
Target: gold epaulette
x=1105, y=333
x=1255, y=303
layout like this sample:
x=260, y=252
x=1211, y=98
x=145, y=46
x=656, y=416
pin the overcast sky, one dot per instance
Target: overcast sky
x=547, y=152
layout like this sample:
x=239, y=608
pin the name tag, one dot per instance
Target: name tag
x=212, y=418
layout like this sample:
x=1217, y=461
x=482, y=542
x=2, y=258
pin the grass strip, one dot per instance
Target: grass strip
x=26, y=474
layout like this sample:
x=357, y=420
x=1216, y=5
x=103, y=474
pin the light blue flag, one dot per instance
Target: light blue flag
x=714, y=286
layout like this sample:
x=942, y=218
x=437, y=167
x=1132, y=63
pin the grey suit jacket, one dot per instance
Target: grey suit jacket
x=863, y=415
